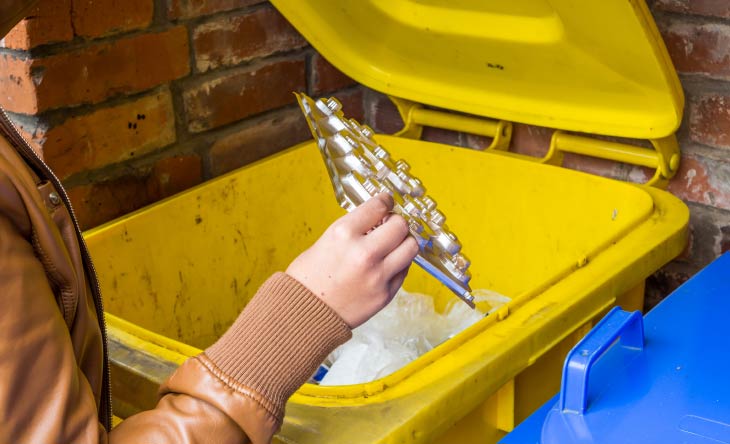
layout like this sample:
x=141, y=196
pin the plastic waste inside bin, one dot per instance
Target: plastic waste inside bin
x=406, y=329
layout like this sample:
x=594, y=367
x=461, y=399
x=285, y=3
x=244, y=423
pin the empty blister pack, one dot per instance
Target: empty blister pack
x=360, y=168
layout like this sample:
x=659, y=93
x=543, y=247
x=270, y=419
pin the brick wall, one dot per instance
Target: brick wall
x=134, y=100
x=697, y=35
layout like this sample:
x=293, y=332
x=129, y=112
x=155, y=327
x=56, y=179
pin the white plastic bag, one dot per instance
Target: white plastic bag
x=404, y=330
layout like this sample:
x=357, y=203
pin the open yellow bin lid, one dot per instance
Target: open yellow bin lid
x=594, y=66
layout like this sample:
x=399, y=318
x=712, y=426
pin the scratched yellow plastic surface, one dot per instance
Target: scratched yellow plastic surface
x=595, y=66
x=565, y=245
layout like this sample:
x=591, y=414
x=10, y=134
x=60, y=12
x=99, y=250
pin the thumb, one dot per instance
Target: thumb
x=369, y=214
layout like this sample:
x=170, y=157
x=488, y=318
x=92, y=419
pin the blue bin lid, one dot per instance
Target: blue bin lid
x=672, y=387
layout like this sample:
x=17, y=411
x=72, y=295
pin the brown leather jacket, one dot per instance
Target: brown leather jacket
x=53, y=360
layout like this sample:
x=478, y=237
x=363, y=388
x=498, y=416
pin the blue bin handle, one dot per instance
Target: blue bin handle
x=617, y=323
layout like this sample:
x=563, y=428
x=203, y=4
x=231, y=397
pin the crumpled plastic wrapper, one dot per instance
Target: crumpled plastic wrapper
x=404, y=330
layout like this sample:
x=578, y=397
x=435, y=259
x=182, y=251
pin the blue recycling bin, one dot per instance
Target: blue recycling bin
x=663, y=378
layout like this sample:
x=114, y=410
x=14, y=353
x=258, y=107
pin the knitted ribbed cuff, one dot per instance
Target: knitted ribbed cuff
x=279, y=340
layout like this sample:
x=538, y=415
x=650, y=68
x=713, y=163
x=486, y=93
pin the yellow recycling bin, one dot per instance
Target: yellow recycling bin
x=565, y=245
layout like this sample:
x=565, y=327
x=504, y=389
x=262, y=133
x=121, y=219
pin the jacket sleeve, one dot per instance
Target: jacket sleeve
x=237, y=389
x=233, y=393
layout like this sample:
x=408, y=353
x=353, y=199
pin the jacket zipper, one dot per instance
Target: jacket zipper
x=105, y=409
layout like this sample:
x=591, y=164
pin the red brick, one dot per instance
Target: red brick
x=242, y=93
x=709, y=121
x=477, y=142
x=185, y=9
x=716, y=8
x=702, y=180
x=27, y=134
x=109, y=135
x=440, y=135
x=97, y=18
x=271, y=135
x=708, y=229
x=592, y=165
x=231, y=40
x=100, y=202
x=352, y=104
x=17, y=86
x=94, y=73
x=531, y=140
x=258, y=140
x=725, y=239
x=383, y=114
x=49, y=22
x=639, y=174
x=699, y=48
x=686, y=254
x=326, y=78
x=174, y=174
x=661, y=284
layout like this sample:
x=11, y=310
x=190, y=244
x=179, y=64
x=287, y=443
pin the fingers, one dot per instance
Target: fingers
x=369, y=214
x=396, y=283
x=401, y=257
x=388, y=236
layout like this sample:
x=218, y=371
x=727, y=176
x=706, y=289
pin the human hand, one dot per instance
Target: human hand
x=357, y=266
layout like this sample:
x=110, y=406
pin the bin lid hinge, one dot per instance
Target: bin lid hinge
x=664, y=158
x=415, y=116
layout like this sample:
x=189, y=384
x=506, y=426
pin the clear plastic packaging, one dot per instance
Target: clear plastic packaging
x=404, y=330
